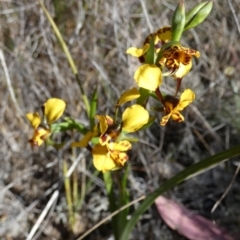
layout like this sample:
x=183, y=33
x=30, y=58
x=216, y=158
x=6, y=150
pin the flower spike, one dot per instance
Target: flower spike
x=53, y=109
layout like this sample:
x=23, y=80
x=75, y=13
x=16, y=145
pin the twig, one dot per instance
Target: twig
x=234, y=15
x=75, y=163
x=227, y=190
x=146, y=15
x=43, y=214
x=9, y=84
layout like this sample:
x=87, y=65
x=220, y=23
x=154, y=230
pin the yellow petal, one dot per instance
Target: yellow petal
x=177, y=117
x=183, y=70
x=34, y=119
x=134, y=117
x=102, y=160
x=84, y=141
x=128, y=96
x=148, y=76
x=138, y=52
x=120, y=158
x=120, y=146
x=39, y=136
x=104, y=122
x=53, y=109
x=165, y=119
x=185, y=99
x=164, y=34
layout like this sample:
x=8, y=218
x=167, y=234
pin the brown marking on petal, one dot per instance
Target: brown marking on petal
x=170, y=103
x=189, y=51
x=182, y=57
x=141, y=59
x=121, y=160
x=179, y=117
x=104, y=139
x=172, y=65
x=148, y=38
x=114, y=130
x=174, y=55
x=160, y=32
x=158, y=40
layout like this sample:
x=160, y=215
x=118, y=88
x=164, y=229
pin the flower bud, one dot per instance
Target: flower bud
x=197, y=15
x=178, y=21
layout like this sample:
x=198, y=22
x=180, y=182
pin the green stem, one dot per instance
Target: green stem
x=112, y=202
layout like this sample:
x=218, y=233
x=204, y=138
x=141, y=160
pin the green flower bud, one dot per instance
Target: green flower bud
x=178, y=21
x=197, y=15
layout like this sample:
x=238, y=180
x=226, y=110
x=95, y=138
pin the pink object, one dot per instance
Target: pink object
x=188, y=224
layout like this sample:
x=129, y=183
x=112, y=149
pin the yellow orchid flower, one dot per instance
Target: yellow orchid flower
x=178, y=61
x=134, y=118
x=148, y=76
x=105, y=159
x=173, y=106
x=39, y=136
x=162, y=36
x=108, y=129
x=53, y=110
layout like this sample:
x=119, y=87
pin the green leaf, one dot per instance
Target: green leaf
x=68, y=124
x=178, y=21
x=93, y=108
x=187, y=173
x=197, y=15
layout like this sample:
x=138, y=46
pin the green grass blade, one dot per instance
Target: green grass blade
x=187, y=173
x=124, y=199
x=93, y=108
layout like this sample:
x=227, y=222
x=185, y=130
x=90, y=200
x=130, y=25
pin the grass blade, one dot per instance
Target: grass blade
x=187, y=173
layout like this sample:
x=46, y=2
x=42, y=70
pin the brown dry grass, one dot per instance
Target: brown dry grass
x=98, y=33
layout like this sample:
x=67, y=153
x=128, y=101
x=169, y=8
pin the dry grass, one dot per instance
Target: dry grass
x=98, y=34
